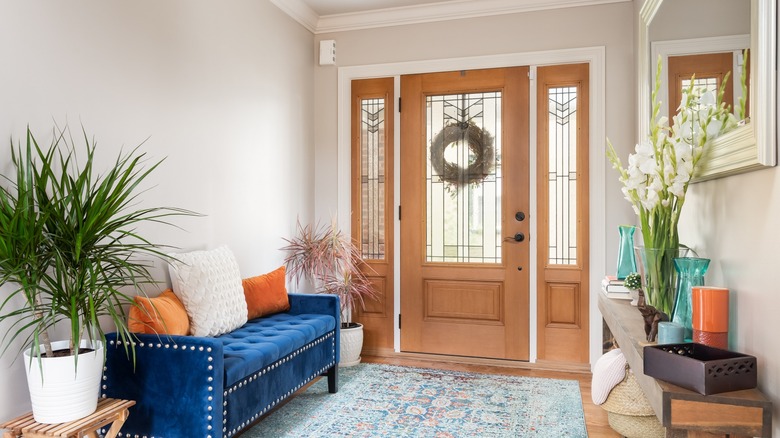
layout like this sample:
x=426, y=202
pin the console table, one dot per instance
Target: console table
x=685, y=413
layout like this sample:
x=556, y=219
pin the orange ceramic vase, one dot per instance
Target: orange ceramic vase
x=710, y=316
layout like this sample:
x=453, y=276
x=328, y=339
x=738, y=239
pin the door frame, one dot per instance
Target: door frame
x=596, y=58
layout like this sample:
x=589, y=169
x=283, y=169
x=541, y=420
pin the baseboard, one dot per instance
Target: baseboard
x=541, y=365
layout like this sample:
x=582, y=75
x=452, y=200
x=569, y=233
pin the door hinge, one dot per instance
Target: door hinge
x=399, y=321
x=399, y=104
x=399, y=212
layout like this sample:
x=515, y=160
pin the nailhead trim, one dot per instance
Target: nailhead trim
x=210, y=379
x=243, y=384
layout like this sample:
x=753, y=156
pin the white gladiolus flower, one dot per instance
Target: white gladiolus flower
x=645, y=149
x=678, y=190
x=656, y=185
x=713, y=128
x=707, y=99
x=682, y=150
x=650, y=200
x=648, y=166
x=685, y=129
x=678, y=185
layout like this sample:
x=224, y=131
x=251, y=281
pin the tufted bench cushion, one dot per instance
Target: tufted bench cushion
x=261, y=342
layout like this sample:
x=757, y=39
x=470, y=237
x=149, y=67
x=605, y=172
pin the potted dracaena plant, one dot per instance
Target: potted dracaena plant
x=332, y=263
x=70, y=253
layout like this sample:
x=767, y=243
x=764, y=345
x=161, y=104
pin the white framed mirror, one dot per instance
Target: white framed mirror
x=751, y=146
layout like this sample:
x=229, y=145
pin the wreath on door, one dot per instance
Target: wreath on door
x=480, y=143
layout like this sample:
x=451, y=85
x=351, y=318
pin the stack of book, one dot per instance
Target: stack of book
x=614, y=288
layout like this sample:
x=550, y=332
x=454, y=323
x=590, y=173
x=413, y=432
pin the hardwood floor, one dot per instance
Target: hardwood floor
x=595, y=417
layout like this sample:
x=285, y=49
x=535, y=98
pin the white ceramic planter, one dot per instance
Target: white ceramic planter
x=351, y=345
x=62, y=393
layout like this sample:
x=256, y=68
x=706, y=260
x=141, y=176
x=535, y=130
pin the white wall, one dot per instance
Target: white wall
x=713, y=18
x=734, y=222
x=223, y=90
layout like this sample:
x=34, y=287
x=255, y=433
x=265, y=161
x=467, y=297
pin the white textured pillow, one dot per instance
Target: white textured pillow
x=609, y=370
x=209, y=285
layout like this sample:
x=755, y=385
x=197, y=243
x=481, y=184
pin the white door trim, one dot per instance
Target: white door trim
x=596, y=57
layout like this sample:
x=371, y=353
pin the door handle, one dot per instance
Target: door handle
x=518, y=237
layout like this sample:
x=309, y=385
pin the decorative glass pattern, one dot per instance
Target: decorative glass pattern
x=463, y=178
x=372, y=178
x=562, y=175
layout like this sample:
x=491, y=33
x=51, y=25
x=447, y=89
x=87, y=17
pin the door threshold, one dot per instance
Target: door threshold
x=483, y=361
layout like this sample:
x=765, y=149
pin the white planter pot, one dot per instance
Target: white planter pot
x=351, y=345
x=59, y=393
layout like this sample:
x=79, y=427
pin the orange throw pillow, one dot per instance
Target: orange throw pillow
x=164, y=315
x=266, y=294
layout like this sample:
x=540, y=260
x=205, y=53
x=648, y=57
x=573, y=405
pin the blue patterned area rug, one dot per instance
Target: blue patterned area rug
x=391, y=401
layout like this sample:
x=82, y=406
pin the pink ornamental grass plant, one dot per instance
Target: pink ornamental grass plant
x=326, y=257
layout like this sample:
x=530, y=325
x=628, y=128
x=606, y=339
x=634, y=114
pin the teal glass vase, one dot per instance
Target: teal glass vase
x=626, y=261
x=690, y=272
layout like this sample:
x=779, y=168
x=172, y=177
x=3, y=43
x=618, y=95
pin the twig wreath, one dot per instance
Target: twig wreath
x=479, y=141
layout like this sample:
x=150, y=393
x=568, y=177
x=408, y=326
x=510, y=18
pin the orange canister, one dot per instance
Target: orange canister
x=710, y=309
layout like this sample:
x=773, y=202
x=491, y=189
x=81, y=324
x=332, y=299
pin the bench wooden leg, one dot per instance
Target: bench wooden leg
x=333, y=379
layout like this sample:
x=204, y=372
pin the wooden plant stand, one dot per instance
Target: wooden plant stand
x=109, y=411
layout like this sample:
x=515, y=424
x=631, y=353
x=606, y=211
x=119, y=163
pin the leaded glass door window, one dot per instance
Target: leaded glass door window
x=463, y=178
x=372, y=177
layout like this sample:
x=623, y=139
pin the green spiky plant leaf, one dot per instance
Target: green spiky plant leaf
x=69, y=241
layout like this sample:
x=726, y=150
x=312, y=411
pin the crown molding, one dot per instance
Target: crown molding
x=432, y=12
x=425, y=13
x=300, y=12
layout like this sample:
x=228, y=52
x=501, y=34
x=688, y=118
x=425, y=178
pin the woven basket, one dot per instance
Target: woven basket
x=629, y=412
x=633, y=426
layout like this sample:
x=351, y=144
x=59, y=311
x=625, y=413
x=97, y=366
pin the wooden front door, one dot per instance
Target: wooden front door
x=465, y=201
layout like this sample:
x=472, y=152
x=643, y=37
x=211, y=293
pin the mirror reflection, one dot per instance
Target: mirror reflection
x=685, y=28
x=705, y=39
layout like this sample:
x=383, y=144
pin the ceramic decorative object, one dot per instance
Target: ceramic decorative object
x=351, y=344
x=710, y=316
x=61, y=389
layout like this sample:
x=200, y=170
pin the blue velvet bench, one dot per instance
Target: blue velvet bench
x=186, y=386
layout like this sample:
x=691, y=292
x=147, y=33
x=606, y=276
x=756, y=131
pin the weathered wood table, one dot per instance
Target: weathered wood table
x=685, y=413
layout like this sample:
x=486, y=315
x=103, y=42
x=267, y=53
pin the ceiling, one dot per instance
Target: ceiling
x=323, y=16
x=333, y=7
